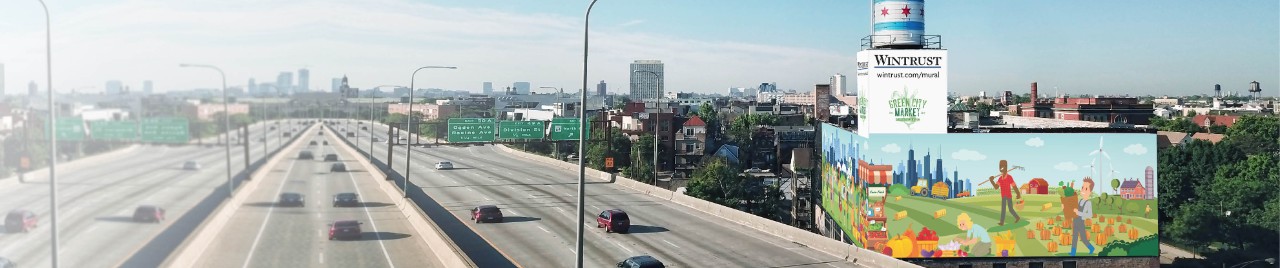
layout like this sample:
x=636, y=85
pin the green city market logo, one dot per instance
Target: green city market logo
x=906, y=107
x=862, y=107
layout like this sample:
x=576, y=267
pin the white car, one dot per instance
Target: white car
x=191, y=165
x=444, y=165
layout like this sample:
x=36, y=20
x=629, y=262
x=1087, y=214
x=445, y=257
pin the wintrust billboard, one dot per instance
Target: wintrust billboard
x=905, y=91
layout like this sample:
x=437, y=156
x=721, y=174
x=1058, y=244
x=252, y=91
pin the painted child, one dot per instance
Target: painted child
x=976, y=236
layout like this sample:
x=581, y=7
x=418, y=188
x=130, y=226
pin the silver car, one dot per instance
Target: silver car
x=191, y=165
x=444, y=165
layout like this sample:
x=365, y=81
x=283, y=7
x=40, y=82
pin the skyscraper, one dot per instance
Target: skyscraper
x=838, y=85
x=601, y=88
x=646, y=85
x=1, y=79
x=147, y=87
x=336, y=85
x=284, y=83
x=304, y=80
x=114, y=87
x=928, y=173
x=488, y=88
x=911, y=167
x=521, y=88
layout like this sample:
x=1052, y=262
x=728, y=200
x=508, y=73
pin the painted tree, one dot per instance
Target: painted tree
x=1115, y=185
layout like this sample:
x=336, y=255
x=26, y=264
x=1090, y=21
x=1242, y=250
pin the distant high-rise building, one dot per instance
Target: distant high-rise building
x=32, y=89
x=114, y=87
x=336, y=84
x=1, y=79
x=646, y=85
x=284, y=83
x=601, y=88
x=147, y=87
x=838, y=85
x=521, y=88
x=304, y=80
x=488, y=88
x=768, y=88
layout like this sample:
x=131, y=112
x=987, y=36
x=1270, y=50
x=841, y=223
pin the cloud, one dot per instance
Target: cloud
x=631, y=23
x=1066, y=166
x=968, y=155
x=1035, y=142
x=891, y=148
x=1135, y=149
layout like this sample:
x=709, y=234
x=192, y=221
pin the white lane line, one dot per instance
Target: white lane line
x=597, y=208
x=257, y=238
x=513, y=212
x=321, y=257
x=469, y=189
x=669, y=243
x=544, y=229
x=376, y=233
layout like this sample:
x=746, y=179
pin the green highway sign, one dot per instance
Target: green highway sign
x=471, y=129
x=113, y=130
x=164, y=130
x=70, y=129
x=564, y=129
x=521, y=129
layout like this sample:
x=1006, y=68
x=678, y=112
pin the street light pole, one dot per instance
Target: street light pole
x=656, y=101
x=53, y=139
x=408, y=121
x=582, y=128
x=226, y=120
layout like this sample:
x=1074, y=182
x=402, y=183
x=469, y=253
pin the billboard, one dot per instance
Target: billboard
x=902, y=91
x=993, y=194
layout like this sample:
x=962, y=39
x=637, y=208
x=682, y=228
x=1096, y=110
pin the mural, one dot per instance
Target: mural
x=993, y=195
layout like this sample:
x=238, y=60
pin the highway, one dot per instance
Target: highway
x=97, y=197
x=262, y=234
x=539, y=204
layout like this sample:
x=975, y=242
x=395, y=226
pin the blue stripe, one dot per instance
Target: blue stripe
x=900, y=25
x=908, y=66
x=918, y=2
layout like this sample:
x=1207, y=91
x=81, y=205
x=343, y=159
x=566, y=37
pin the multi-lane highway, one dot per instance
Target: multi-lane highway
x=263, y=233
x=97, y=197
x=540, y=205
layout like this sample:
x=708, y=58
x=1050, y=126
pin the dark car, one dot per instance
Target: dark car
x=486, y=213
x=331, y=157
x=325, y=142
x=338, y=167
x=148, y=214
x=344, y=230
x=292, y=200
x=321, y=133
x=306, y=155
x=642, y=261
x=19, y=220
x=613, y=220
x=312, y=143
x=346, y=200
x=364, y=128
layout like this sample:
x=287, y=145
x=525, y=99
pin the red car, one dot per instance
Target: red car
x=19, y=220
x=486, y=213
x=613, y=220
x=344, y=229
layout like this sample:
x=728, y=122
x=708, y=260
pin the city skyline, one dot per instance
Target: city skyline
x=501, y=39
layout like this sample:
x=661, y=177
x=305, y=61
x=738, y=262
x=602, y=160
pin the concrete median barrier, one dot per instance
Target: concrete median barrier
x=444, y=249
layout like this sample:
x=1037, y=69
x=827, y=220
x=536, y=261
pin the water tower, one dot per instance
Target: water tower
x=1217, y=91
x=902, y=72
x=1255, y=90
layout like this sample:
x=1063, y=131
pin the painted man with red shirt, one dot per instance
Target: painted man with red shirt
x=1007, y=189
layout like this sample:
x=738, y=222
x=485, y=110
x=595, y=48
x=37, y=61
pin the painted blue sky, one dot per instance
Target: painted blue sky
x=1112, y=47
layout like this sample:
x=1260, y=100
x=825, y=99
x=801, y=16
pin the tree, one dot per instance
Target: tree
x=1217, y=129
x=621, y=102
x=642, y=160
x=1115, y=185
x=1255, y=134
x=716, y=182
x=1239, y=187
x=1191, y=113
x=602, y=146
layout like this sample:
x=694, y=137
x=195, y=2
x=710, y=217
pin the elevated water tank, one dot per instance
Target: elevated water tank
x=897, y=23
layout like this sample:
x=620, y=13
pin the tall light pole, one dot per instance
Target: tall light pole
x=226, y=119
x=656, y=101
x=53, y=139
x=582, y=128
x=408, y=121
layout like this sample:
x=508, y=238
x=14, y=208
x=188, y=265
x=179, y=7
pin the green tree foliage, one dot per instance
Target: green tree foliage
x=642, y=159
x=1115, y=186
x=1238, y=187
x=605, y=145
x=1255, y=134
x=1183, y=125
x=719, y=183
x=1183, y=169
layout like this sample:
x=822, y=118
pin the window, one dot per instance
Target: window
x=1069, y=264
x=1035, y=264
x=999, y=265
x=966, y=266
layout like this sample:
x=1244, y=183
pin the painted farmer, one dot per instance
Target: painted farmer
x=975, y=236
x=1084, y=211
x=1008, y=188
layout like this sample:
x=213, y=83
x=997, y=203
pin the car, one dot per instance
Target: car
x=6, y=263
x=19, y=221
x=291, y=199
x=147, y=213
x=262, y=139
x=642, y=261
x=325, y=142
x=376, y=140
x=364, y=128
x=344, y=229
x=444, y=165
x=331, y=157
x=312, y=143
x=613, y=221
x=306, y=155
x=486, y=213
x=338, y=167
x=191, y=165
x=346, y=200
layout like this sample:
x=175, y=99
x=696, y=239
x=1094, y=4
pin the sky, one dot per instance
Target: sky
x=1113, y=47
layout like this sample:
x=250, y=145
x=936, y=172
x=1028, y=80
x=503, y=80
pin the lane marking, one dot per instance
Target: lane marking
x=321, y=257
x=669, y=243
x=371, y=222
x=545, y=230
x=258, y=238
